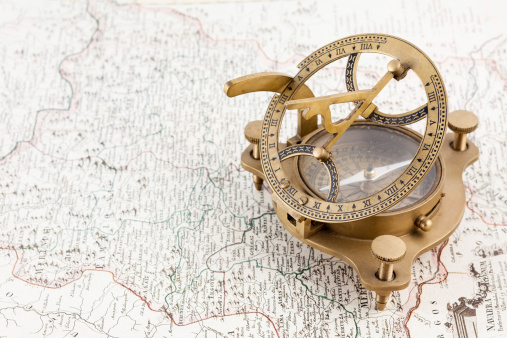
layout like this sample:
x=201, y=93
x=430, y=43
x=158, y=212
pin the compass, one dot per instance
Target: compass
x=365, y=188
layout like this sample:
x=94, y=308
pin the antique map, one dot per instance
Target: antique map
x=124, y=211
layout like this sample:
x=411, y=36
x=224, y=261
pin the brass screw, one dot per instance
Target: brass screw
x=303, y=200
x=253, y=135
x=461, y=122
x=424, y=223
x=389, y=250
x=285, y=184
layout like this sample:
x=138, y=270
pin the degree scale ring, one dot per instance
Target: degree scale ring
x=327, y=211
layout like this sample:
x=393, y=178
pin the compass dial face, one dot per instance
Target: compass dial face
x=369, y=157
x=392, y=192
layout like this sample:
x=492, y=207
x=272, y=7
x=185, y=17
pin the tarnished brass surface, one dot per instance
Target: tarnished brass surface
x=381, y=245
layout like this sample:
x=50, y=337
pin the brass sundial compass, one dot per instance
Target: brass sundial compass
x=364, y=188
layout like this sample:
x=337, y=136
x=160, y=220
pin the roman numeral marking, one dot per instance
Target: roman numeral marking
x=432, y=97
x=274, y=122
x=271, y=145
x=426, y=146
x=367, y=203
x=283, y=98
x=392, y=190
x=317, y=205
x=412, y=170
x=292, y=190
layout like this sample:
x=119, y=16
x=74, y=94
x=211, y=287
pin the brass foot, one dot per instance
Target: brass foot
x=382, y=301
x=389, y=250
x=257, y=182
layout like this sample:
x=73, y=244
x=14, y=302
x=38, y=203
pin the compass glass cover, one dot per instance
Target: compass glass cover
x=368, y=158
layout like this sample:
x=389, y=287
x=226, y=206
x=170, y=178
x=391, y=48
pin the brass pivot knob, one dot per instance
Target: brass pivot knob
x=321, y=154
x=389, y=250
x=253, y=135
x=461, y=122
x=397, y=69
x=424, y=223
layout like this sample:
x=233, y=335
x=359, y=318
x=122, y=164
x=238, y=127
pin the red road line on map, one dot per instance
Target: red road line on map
x=420, y=286
x=232, y=314
x=138, y=296
x=479, y=215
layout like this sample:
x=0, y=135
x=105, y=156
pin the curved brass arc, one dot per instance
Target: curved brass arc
x=402, y=119
x=273, y=82
x=350, y=73
x=376, y=115
x=308, y=150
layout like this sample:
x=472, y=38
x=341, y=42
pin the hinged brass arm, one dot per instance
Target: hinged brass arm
x=273, y=82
